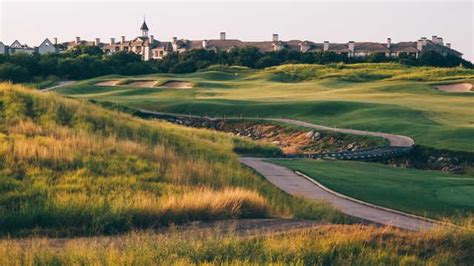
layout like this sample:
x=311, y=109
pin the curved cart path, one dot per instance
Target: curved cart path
x=395, y=140
x=297, y=185
x=59, y=85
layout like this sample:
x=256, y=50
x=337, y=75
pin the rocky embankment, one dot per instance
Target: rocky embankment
x=291, y=140
x=433, y=159
x=295, y=140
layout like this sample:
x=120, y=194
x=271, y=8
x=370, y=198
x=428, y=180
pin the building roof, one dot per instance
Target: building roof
x=144, y=26
x=439, y=48
x=46, y=42
x=338, y=47
x=17, y=45
x=404, y=47
x=372, y=47
x=225, y=44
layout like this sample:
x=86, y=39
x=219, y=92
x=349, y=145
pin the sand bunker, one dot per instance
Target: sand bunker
x=459, y=87
x=177, y=85
x=142, y=83
x=172, y=84
x=107, y=83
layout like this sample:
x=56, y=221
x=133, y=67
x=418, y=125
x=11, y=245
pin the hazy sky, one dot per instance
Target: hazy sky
x=337, y=21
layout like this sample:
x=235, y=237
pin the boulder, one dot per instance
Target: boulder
x=313, y=135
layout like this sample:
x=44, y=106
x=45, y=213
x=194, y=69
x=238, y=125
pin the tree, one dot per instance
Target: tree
x=14, y=73
x=267, y=61
x=184, y=67
x=27, y=61
x=377, y=58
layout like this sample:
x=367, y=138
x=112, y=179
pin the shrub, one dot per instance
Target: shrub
x=13, y=73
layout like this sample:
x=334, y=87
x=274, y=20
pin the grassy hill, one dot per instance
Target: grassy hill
x=378, y=97
x=68, y=167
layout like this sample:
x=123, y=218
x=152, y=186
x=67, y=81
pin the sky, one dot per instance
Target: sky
x=335, y=21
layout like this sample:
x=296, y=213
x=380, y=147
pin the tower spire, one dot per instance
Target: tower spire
x=144, y=28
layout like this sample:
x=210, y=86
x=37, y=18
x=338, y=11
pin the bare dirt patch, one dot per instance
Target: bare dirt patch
x=459, y=87
x=142, y=83
x=108, y=83
x=173, y=84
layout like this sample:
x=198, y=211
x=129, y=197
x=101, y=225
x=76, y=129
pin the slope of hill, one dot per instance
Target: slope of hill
x=69, y=167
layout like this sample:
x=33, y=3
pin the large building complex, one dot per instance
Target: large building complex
x=150, y=48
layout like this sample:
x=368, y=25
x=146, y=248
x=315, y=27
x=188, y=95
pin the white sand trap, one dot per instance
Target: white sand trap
x=459, y=87
x=107, y=83
x=177, y=85
x=142, y=83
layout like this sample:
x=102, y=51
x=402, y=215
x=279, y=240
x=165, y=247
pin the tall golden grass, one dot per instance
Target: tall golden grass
x=69, y=167
x=322, y=245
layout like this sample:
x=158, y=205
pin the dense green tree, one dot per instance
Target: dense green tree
x=13, y=73
x=184, y=67
x=377, y=58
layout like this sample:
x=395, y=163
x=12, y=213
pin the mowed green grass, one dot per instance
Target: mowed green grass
x=378, y=97
x=428, y=193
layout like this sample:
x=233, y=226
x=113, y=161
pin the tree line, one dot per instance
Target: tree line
x=86, y=62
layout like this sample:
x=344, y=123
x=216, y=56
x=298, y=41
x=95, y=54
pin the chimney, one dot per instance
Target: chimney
x=175, y=39
x=437, y=40
x=55, y=40
x=112, y=41
x=351, y=47
x=448, y=45
x=204, y=44
x=123, y=39
x=275, y=37
x=389, y=42
x=78, y=40
x=222, y=36
x=424, y=40
x=152, y=39
x=97, y=41
x=326, y=46
x=419, y=45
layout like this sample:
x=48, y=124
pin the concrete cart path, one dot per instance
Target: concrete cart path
x=59, y=85
x=297, y=185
